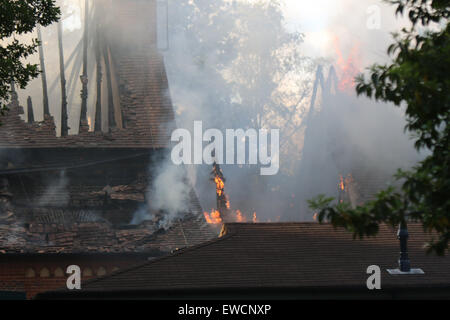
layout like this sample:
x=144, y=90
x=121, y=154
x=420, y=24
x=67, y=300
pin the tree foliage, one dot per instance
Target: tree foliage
x=20, y=17
x=417, y=78
x=235, y=64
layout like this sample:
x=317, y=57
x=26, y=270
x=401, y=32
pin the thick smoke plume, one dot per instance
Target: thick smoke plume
x=169, y=193
x=251, y=64
x=167, y=196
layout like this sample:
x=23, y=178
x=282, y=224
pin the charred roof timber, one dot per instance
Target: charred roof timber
x=221, y=197
x=30, y=114
x=84, y=76
x=43, y=74
x=131, y=86
x=64, y=126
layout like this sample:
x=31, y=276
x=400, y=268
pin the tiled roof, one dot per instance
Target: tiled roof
x=281, y=255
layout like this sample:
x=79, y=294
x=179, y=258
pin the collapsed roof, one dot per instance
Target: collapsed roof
x=85, y=234
x=137, y=99
x=102, y=171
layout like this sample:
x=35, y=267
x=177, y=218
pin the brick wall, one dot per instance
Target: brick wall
x=34, y=274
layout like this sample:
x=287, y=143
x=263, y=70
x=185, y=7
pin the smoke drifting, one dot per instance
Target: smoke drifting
x=56, y=193
x=251, y=64
x=169, y=193
x=72, y=18
x=353, y=138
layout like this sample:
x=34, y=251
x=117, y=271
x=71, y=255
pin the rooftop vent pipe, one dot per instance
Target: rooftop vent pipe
x=404, y=264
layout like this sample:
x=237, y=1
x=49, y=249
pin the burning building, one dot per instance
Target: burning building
x=69, y=199
x=346, y=154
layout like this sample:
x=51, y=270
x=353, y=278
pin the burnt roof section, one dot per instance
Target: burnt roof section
x=74, y=221
x=90, y=235
x=279, y=255
x=140, y=83
x=52, y=228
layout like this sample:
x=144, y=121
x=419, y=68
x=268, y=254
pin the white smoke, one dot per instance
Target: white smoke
x=56, y=193
x=168, y=196
x=210, y=63
x=169, y=193
x=227, y=99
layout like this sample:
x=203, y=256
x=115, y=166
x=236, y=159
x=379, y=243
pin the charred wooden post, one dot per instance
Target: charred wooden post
x=98, y=105
x=14, y=96
x=43, y=74
x=111, y=115
x=221, y=197
x=30, y=114
x=64, y=126
x=84, y=76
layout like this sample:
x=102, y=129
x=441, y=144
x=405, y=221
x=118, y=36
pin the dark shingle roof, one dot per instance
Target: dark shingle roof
x=286, y=255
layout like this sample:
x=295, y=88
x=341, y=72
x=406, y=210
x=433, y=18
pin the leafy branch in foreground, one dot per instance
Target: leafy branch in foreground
x=418, y=78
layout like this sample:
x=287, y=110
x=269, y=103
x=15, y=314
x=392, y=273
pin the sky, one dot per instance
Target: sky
x=319, y=20
x=349, y=22
x=333, y=29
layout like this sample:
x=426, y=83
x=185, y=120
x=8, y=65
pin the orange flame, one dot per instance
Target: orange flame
x=347, y=69
x=341, y=183
x=220, y=185
x=240, y=217
x=213, y=218
x=89, y=120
